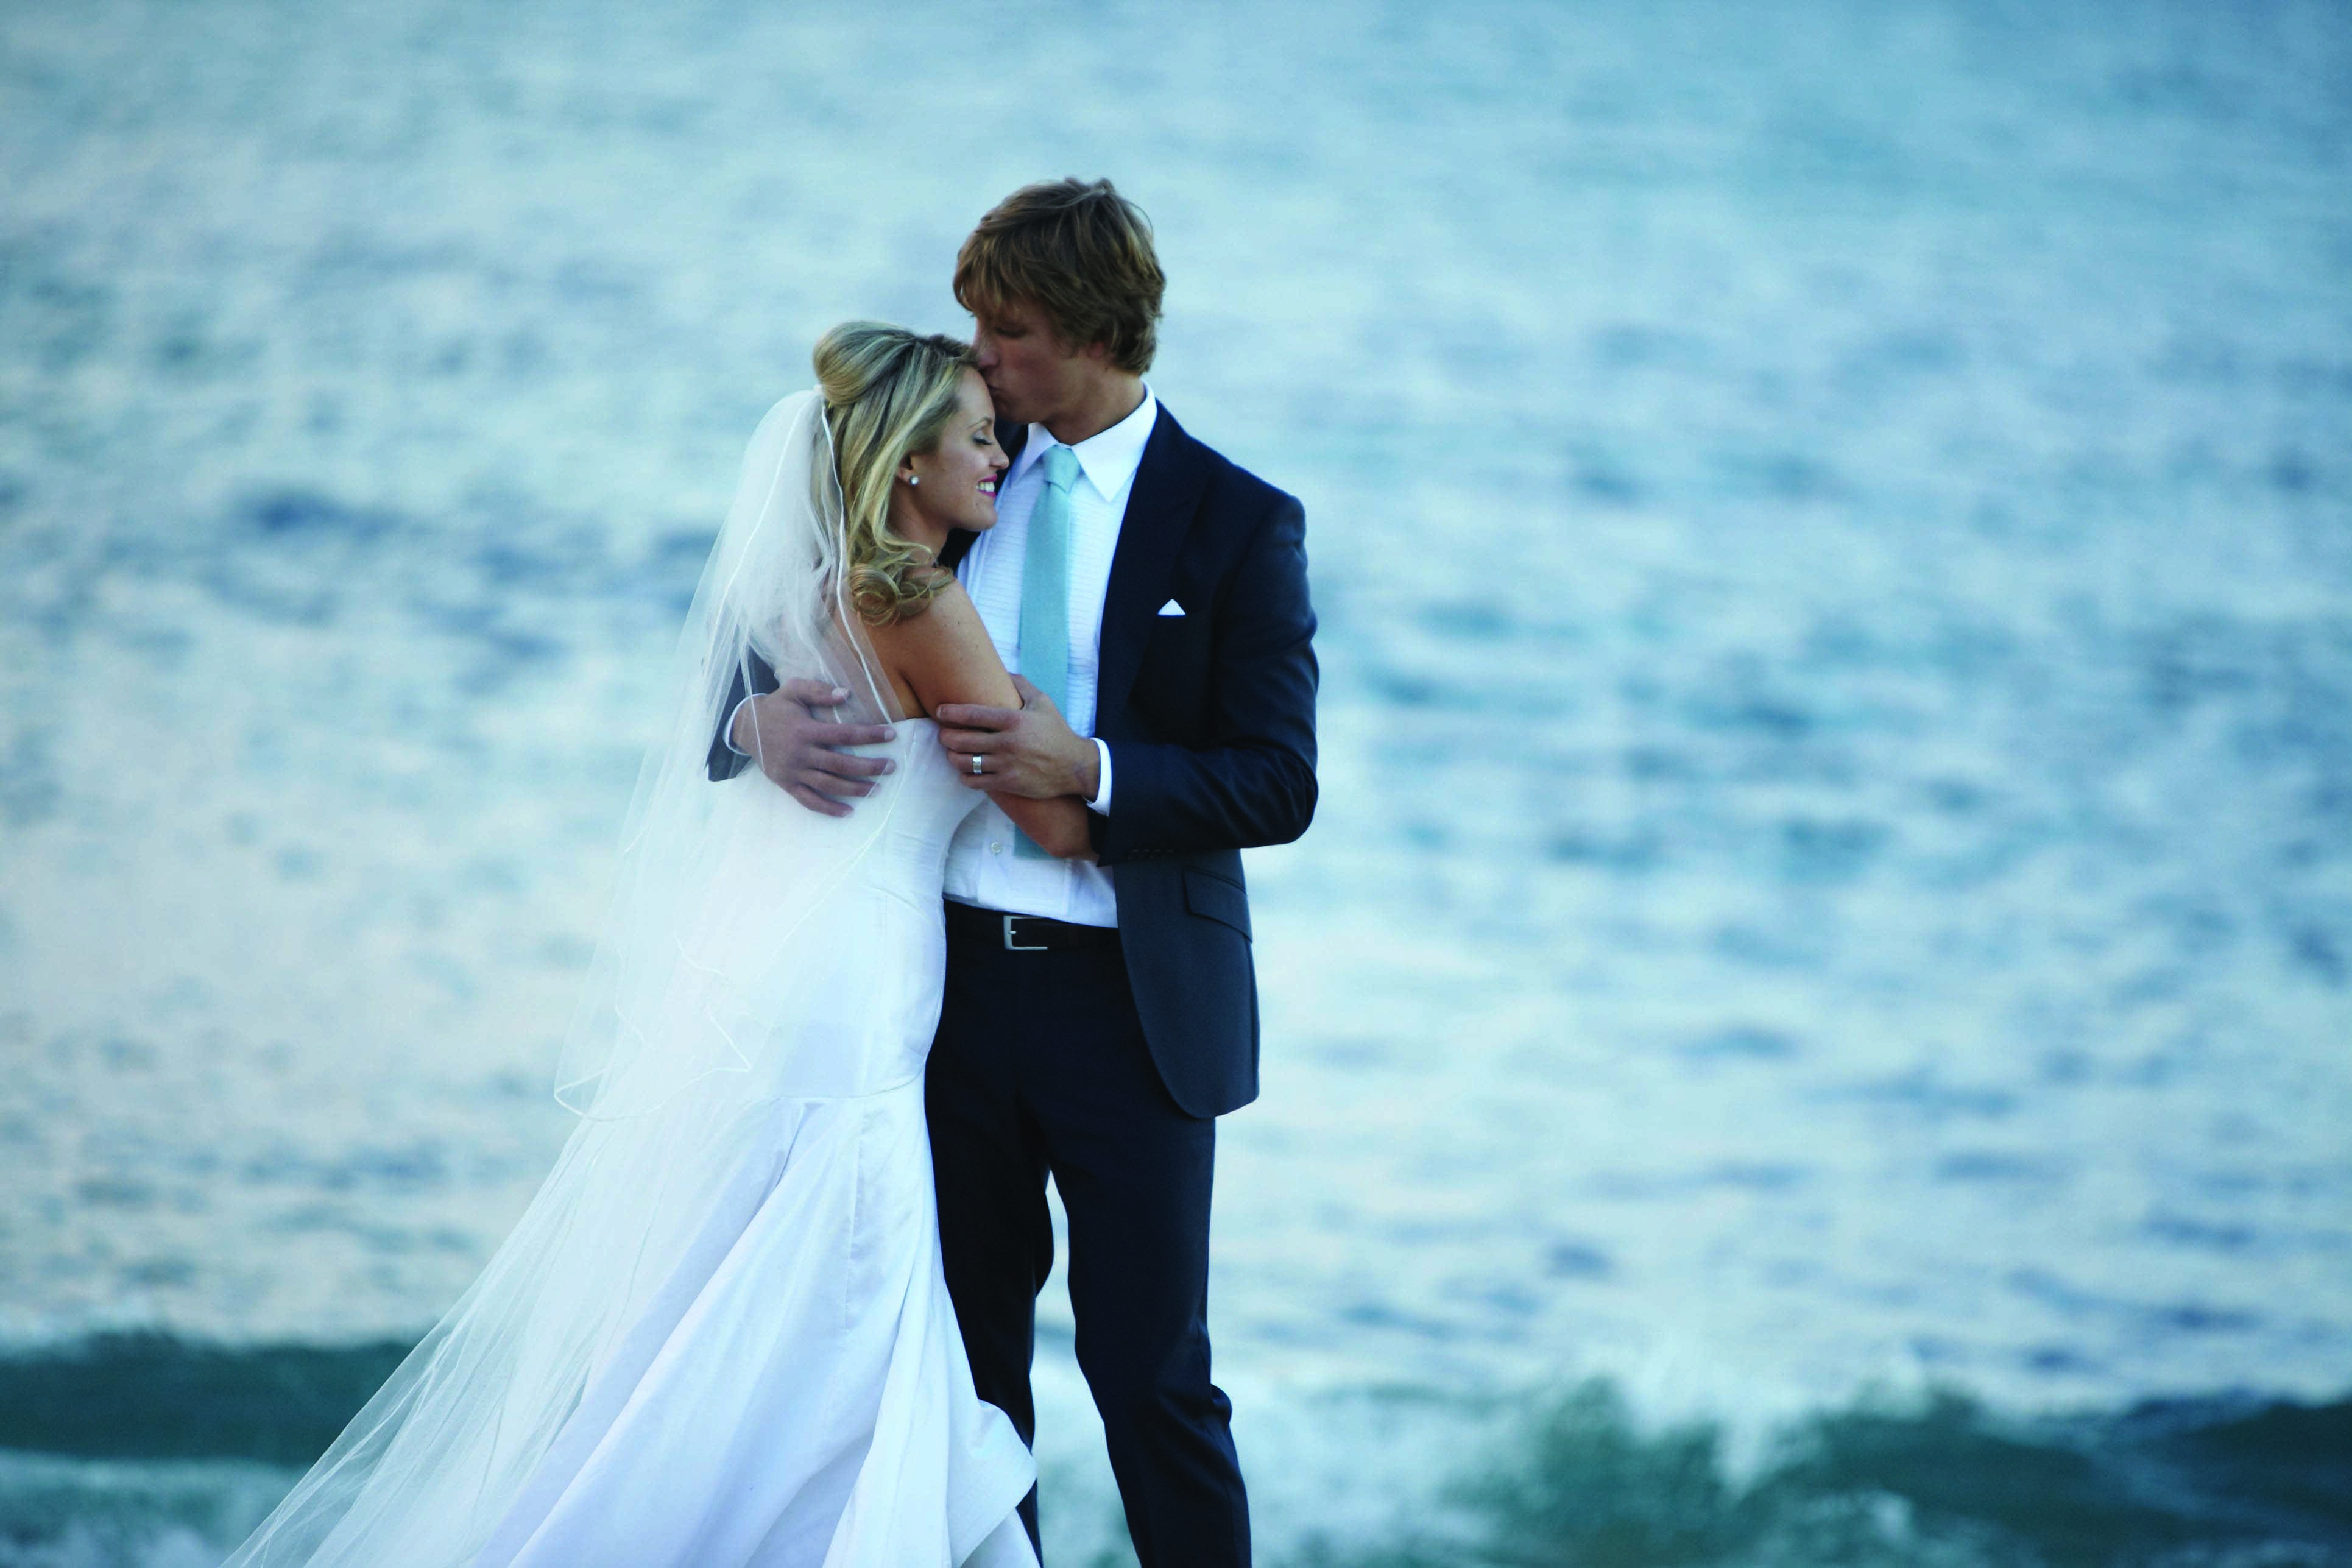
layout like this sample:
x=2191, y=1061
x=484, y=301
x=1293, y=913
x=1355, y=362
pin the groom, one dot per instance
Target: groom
x=1098, y=1017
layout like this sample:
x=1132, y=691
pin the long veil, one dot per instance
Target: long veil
x=703, y=1006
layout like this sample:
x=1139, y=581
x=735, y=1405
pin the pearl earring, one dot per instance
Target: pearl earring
x=914, y=480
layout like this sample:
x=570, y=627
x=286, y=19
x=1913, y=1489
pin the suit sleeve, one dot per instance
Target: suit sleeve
x=1254, y=784
x=726, y=761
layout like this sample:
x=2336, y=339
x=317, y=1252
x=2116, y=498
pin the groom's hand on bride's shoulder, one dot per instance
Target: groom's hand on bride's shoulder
x=1028, y=751
x=796, y=749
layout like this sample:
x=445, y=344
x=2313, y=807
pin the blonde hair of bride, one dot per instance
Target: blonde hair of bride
x=889, y=394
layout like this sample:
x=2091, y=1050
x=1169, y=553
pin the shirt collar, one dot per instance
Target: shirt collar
x=1109, y=458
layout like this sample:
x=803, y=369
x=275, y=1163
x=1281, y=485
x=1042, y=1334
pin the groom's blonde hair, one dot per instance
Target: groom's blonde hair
x=889, y=394
x=1078, y=251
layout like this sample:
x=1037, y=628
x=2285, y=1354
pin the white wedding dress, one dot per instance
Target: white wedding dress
x=796, y=1392
x=719, y=1335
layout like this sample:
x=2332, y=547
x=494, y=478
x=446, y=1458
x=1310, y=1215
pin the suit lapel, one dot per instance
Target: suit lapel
x=1160, y=509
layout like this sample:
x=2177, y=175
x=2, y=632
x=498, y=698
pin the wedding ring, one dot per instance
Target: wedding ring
x=975, y=761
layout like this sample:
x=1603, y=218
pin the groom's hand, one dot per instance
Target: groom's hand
x=794, y=748
x=1030, y=750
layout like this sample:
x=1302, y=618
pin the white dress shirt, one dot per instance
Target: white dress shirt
x=981, y=866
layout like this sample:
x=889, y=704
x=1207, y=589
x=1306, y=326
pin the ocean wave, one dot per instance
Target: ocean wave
x=148, y=1395
x=147, y=1451
x=1939, y=1480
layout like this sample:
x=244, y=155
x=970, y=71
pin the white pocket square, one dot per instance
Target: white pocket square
x=1171, y=608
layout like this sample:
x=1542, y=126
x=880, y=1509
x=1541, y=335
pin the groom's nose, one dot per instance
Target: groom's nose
x=983, y=349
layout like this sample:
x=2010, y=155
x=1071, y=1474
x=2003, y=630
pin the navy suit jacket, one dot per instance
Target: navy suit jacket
x=1210, y=718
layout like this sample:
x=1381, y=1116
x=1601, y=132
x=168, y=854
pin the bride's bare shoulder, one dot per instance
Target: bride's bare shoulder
x=943, y=654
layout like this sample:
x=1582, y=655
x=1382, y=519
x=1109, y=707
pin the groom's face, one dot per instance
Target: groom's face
x=1030, y=373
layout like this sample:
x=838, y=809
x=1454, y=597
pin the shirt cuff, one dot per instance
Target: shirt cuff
x=727, y=732
x=1101, y=804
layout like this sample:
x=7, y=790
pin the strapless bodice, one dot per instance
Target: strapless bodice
x=926, y=804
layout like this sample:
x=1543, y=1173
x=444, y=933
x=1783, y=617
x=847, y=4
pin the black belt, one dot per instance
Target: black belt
x=1025, y=933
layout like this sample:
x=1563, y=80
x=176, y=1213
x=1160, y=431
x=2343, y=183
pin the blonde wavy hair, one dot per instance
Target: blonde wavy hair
x=889, y=394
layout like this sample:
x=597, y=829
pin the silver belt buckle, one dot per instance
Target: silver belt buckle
x=1013, y=946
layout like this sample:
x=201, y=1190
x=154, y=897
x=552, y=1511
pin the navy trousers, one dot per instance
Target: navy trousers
x=1040, y=1067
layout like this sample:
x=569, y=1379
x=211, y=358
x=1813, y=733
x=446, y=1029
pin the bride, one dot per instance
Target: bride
x=720, y=1334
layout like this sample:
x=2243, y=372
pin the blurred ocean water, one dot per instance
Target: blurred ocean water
x=1834, y=530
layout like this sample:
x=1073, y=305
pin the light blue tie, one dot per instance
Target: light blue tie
x=1046, y=597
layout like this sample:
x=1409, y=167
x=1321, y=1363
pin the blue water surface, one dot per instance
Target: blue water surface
x=1833, y=526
